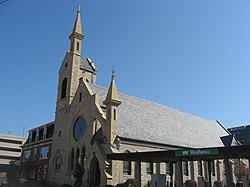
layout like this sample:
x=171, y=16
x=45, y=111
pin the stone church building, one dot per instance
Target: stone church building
x=92, y=121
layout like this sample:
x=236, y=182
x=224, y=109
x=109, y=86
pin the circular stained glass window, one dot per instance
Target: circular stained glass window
x=79, y=128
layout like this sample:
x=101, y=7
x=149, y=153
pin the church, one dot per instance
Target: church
x=92, y=121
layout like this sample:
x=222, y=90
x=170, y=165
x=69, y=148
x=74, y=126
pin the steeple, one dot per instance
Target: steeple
x=112, y=102
x=76, y=36
x=112, y=97
x=70, y=71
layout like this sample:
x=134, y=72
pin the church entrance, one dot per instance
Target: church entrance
x=94, y=172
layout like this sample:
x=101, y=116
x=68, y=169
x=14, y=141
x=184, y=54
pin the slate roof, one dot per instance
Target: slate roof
x=86, y=65
x=98, y=135
x=145, y=120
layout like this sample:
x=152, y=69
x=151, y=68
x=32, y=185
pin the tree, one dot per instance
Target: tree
x=241, y=170
x=12, y=173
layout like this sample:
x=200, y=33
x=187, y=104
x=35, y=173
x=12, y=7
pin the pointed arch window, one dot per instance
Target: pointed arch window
x=77, y=46
x=72, y=159
x=77, y=157
x=58, y=164
x=127, y=166
x=80, y=97
x=82, y=156
x=114, y=114
x=64, y=88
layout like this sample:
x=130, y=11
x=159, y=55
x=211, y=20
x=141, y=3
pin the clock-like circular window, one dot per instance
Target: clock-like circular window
x=79, y=128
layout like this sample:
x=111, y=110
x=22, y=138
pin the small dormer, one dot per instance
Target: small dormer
x=88, y=70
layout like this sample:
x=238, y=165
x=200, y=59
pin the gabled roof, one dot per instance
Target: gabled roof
x=144, y=120
x=230, y=140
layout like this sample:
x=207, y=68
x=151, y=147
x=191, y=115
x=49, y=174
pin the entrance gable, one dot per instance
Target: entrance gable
x=86, y=99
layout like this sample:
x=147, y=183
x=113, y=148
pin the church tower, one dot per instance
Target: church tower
x=70, y=73
x=112, y=102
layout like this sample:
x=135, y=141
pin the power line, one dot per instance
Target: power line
x=3, y=1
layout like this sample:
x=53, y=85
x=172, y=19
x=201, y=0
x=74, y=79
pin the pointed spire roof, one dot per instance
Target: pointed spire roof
x=112, y=95
x=78, y=27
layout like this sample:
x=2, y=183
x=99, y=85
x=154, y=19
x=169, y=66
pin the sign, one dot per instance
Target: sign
x=194, y=152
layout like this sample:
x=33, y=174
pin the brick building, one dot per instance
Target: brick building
x=36, y=152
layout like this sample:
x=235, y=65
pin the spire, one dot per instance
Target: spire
x=76, y=35
x=112, y=95
x=78, y=27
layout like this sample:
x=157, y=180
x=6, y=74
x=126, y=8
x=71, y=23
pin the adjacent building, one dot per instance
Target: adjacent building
x=10, y=149
x=10, y=152
x=242, y=134
x=36, y=152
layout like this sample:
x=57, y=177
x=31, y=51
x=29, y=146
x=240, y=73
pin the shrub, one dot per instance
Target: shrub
x=66, y=185
x=190, y=183
x=218, y=184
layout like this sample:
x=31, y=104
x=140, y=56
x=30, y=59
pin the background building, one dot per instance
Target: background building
x=10, y=151
x=242, y=134
x=36, y=152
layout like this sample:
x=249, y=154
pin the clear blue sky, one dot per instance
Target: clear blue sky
x=188, y=54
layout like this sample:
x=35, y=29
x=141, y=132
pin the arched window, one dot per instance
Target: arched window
x=95, y=173
x=72, y=159
x=114, y=114
x=77, y=158
x=82, y=156
x=64, y=88
x=58, y=164
x=77, y=46
x=80, y=97
x=127, y=166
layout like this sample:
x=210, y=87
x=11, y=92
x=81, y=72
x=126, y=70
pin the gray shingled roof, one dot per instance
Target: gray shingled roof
x=85, y=65
x=144, y=120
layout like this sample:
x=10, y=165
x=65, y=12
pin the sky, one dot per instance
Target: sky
x=191, y=55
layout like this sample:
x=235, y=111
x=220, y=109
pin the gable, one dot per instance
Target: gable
x=85, y=96
x=57, y=158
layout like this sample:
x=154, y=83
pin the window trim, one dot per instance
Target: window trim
x=47, y=153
